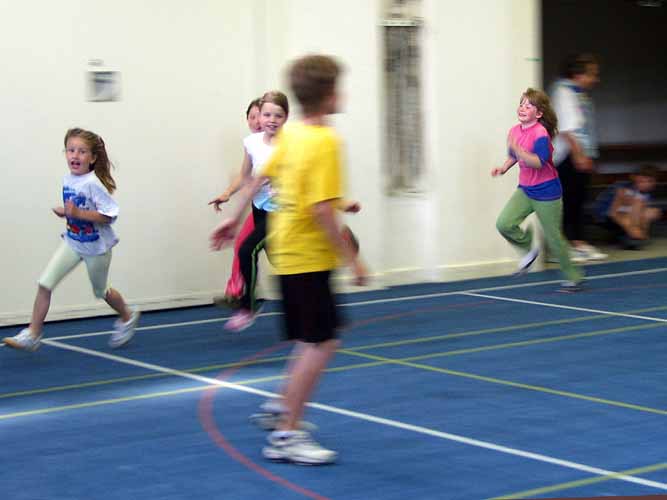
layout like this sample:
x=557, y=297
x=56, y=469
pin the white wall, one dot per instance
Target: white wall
x=480, y=57
x=174, y=137
x=188, y=70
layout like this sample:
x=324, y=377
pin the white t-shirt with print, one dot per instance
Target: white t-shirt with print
x=259, y=152
x=88, y=193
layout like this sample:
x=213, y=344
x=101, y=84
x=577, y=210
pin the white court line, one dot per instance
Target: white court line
x=157, y=327
x=560, y=306
x=379, y=301
x=504, y=287
x=371, y=418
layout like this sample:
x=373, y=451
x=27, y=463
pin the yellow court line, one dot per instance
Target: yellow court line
x=104, y=402
x=523, y=343
x=359, y=348
x=582, y=482
x=378, y=361
x=83, y=385
x=273, y=378
x=382, y=361
x=150, y=395
x=472, y=333
x=502, y=329
x=509, y=383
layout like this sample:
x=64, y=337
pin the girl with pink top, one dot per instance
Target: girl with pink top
x=539, y=190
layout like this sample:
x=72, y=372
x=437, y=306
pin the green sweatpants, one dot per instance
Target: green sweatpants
x=550, y=215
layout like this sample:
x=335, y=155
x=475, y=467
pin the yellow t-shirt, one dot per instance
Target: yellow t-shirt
x=305, y=169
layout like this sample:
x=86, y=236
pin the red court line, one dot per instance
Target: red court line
x=211, y=427
x=205, y=408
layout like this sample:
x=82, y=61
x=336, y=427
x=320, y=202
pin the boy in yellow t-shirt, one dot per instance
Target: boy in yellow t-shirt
x=304, y=244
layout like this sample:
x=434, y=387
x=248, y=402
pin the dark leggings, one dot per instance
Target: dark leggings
x=575, y=189
x=248, y=254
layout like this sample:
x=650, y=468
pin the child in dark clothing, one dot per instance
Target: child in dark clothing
x=625, y=209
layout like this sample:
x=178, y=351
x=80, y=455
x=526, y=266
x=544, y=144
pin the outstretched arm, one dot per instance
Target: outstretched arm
x=237, y=183
x=509, y=163
x=581, y=162
x=325, y=215
x=224, y=233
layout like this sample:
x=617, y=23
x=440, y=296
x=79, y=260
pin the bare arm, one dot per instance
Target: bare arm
x=72, y=211
x=509, y=163
x=237, y=183
x=618, y=201
x=325, y=215
x=224, y=232
x=581, y=161
x=530, y=159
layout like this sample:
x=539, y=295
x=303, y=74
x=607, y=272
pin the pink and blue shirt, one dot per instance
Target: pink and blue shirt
x=541, y=183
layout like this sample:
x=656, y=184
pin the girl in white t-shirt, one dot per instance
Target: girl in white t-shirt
x=234, y=289
x=274, y=110
x=89, y=211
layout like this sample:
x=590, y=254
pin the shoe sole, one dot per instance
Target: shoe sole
x=125, y=340
x=9, y=342
x=276, y=456
x=524, y=269
x=122, y=342
x=237, y=330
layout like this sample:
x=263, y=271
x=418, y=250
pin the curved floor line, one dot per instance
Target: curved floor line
x=211, y=427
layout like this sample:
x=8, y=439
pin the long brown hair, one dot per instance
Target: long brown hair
x=102, y=165
x=541, y=101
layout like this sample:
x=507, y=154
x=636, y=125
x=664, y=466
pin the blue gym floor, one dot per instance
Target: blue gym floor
x=483, y=389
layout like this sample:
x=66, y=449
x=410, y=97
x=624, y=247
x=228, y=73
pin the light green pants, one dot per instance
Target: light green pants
x=65, y=259
x=550, y=215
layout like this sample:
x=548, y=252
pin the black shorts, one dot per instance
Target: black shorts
x=310, y=313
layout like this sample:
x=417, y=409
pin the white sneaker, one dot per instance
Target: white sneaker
x=25, y=341
x=297, y=447
x=273, y=405
x=273, y=413
x=591, y=253
x=123, y=332
x=578, y=256
x=527, y=261
x=570, y=287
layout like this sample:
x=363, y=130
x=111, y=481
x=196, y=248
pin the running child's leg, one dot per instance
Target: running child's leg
x=248, y=256
x=61, y=264
x=98, y=273
x=550, y=215
x=303, y=377
x=515, y=211
x=236, y=283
